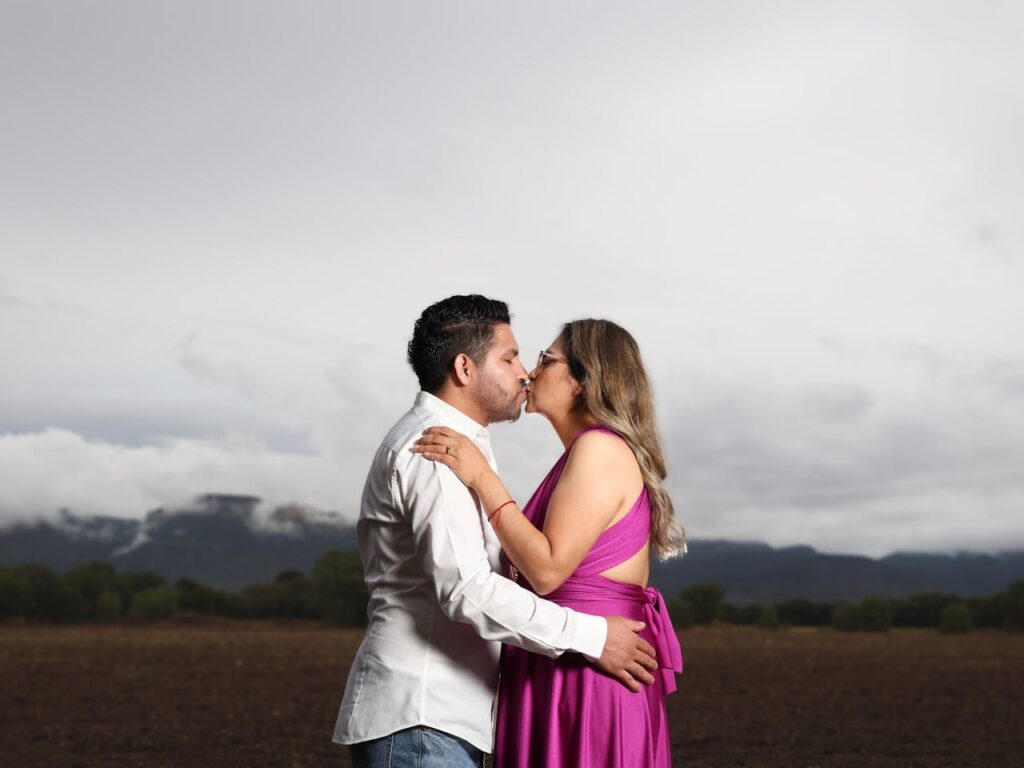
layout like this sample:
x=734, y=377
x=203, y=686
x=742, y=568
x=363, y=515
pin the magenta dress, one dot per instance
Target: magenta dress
x=566, y=712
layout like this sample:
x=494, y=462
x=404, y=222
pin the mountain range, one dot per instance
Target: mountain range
x=218, y=540
x=224, y=541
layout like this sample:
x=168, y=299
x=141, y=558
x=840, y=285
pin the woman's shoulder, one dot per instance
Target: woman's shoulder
x=599, y=451
x=598, y=436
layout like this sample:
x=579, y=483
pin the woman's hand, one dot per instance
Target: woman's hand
x=455, y=450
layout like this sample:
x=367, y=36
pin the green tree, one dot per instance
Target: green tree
x=131, y=582
x=51, y=599
x=199, y=598
x=921, y=610
x=264, y=601
x=1013, y=606
x=338, y=586
x=706, y=599
x=956, y=617
x=681, y=614
x=876, y=614
x=108, y=606
x=846, y=617
x=87, y=582
x=300, y=600
x=803, y=612
x=16, y=596
x=769, y=618
x=154, y=604
x=987, y=612
x=235, y=605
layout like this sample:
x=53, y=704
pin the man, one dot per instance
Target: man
x=421, y=689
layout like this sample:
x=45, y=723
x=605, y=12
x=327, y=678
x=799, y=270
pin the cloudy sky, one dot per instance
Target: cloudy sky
x=218, y=222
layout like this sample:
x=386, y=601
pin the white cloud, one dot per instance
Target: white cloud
x=809, y=216
x=927, y=461
x=55, y=468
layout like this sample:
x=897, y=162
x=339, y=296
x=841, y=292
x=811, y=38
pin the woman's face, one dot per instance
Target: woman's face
x=553, y=390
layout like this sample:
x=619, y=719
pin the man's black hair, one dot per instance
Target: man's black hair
x=453, y=326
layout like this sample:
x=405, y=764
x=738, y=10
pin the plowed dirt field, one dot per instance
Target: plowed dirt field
x=225, y=694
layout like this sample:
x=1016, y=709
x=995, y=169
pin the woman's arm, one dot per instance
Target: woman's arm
x=586, y=498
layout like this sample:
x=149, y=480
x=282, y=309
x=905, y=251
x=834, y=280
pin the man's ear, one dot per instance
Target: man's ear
x=464, y=368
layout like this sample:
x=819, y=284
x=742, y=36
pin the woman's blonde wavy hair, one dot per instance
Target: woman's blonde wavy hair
x=605, y=359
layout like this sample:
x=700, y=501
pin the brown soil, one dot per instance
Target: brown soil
x=229, y=694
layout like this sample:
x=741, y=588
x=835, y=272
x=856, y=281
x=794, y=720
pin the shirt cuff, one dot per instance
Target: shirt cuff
x=590, y=636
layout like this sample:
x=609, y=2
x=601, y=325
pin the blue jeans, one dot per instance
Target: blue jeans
x=416, y=747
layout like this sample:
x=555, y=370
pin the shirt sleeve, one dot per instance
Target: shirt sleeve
x=448, y=531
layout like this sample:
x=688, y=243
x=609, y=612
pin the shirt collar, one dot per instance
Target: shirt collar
x=452, y=416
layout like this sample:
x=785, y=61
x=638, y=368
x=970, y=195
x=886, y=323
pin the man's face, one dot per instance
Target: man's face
x=500, y=385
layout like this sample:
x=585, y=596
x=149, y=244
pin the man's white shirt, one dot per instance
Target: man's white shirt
x=438, y=609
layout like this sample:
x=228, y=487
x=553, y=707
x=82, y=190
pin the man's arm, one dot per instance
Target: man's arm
x=449, y=541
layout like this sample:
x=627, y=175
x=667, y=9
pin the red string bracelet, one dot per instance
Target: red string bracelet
x=495, y=517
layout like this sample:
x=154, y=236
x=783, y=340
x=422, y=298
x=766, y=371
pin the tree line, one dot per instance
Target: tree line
x=704, y=603
x=95, y=591
x=334, y=592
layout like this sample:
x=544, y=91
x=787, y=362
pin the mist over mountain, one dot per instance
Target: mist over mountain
x=219, y=540
x=228, y=541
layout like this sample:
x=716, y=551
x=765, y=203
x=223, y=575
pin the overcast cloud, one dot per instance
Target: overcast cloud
x=218, y=223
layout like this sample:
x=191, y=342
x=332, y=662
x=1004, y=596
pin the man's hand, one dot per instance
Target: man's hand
x=626, y=655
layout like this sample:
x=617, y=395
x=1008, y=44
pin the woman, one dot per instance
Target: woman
x=583, y=540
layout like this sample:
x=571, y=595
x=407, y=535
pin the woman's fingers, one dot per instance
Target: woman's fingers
x=443, y=436
x=434, y=441
x=436, y=448
x=439, y=449
x=443, y=458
